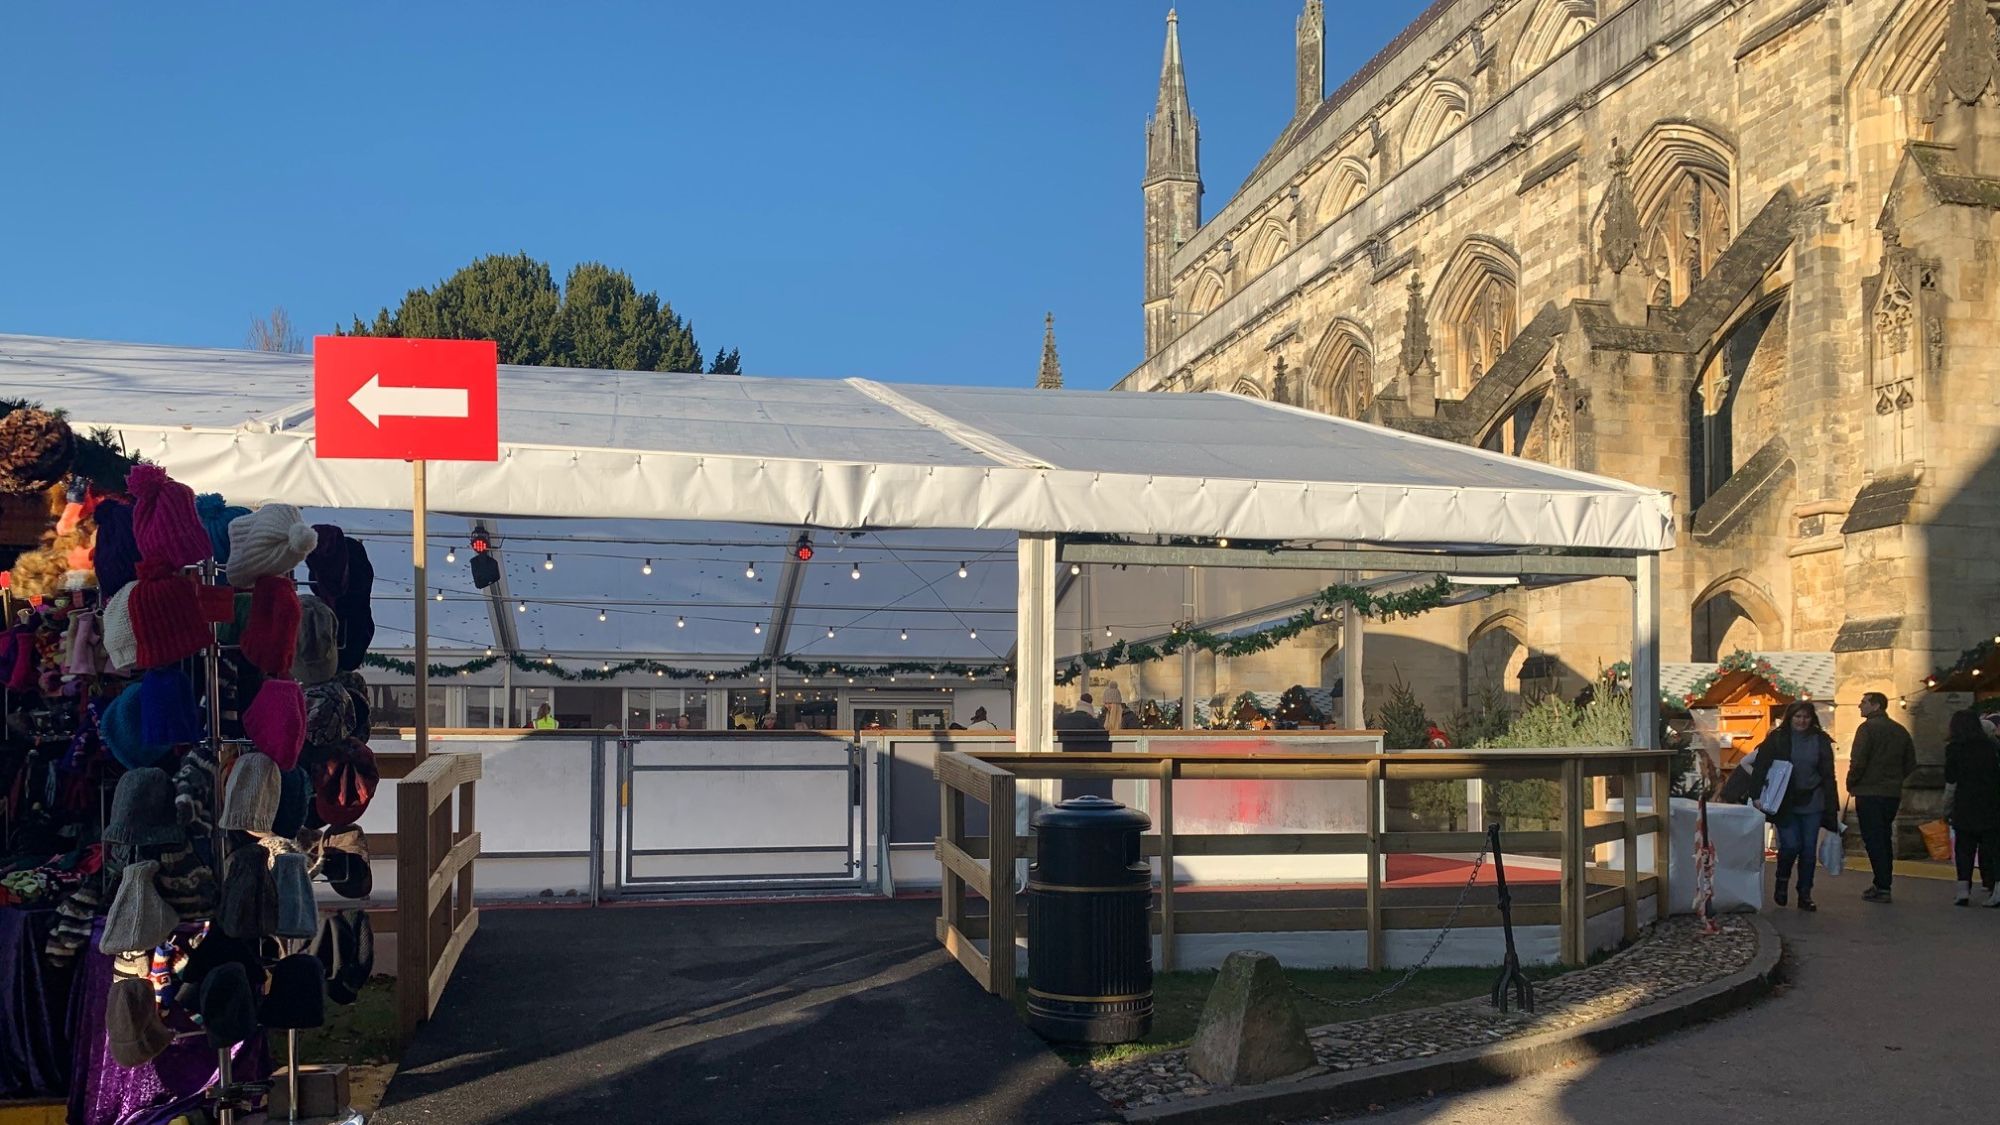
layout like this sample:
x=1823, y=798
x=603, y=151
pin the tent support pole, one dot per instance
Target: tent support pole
x=1035, y=667
x=1646, y=654
x=1187, y=654
x=1353, y=707
x=422, y=621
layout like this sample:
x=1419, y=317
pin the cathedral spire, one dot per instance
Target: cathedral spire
x=1171, y=134
x=1312, y=57
x=1050, y=378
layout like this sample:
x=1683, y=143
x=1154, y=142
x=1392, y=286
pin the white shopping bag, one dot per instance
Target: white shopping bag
x=1832, y=853
x=1775, y=784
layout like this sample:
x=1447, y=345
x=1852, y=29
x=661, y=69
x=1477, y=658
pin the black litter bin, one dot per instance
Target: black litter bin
x=1090, y=945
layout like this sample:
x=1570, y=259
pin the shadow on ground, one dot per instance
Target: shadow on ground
x=824, y=1012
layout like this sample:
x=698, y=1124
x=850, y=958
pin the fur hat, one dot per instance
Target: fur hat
x=115, y=553
x=142, y=808
x=275, y=721
x=298, y=993
x=122, y=729
x=121, y=645
x=139, y=918
x=251, y=795
x=164, y=521
x=216, y=515
x=345, y=947
x=132, y=1021
x=271, y=540
x=270, y=639
x=169, y=714
x=36, y=450
x=228, y=1006
x=166, y=615
x=318, y=655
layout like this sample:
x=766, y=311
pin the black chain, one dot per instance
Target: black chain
x=1410, y=973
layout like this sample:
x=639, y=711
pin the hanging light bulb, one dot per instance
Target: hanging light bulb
x=961, y=570
x=975, y=634
x=1223, y=542
x=658, y=672
x=604, y=667
x=647, y=568
x=829, y=632
x=451, y=554
x=548, y=660
x=757, y=628
x=760, y=677
x=548, y=562
x=439, y=596
x=520, y=607
x=892, y=679
x=1107, y=630
x=855, y=572
x=903, y=634
x=680, y=622
x=1075, y=568
x=489, y=650
x=749, y=570
x=600, y=615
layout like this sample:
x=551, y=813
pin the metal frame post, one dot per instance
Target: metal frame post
x=1646, y=655
x=1353, y=700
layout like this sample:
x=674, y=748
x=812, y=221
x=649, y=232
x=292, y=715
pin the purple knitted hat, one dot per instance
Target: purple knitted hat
x=117, y=553
x=164, y=520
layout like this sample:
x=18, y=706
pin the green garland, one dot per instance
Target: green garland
x=1740, y=661
x=1974, y=657
x=605, y=671
x=1408, y=603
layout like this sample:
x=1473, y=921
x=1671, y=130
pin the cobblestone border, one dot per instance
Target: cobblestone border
x=1320, y=1092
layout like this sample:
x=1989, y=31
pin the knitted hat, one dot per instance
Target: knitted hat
x=298, y=993
x=216, y=950
x=344, y=862
x=122, y=728
x=298, y=917
x=164, y=520
x=357, y=695
x=166, y=615
x=139, y=918
x=329, y=716
x=186, y=883
x=357, y=616
x=228, y=1006
x=21, y=664
x=167, y=707
x=36, y=450
x=216, y=514
x=326, y=566
x=121, y=645
x=294, y=799
x=132, y=1020
x=275, y=721
x=115, y=553
x=249, y=907
x=317, y=657
x=345, y=782
x=271, y=540
x=345, y=947
x=142, y=809
x=270, y=640
x=250, y=798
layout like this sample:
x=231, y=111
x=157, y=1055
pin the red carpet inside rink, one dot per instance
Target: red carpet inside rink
x=1450, y=871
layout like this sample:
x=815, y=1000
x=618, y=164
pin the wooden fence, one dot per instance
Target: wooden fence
x=433, y=918
x=986, y=865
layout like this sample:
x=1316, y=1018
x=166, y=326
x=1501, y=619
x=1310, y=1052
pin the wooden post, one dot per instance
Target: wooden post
x=1377, y=776
x=1000, y=880
x=1575, y=884
x=951, y=827
x=1034, y=644
x=1353, y=701
x=467, y=825
x=1166, y=810
x=1631, y=851
x=413, y=931
x=1663, y=840
x=421, y=626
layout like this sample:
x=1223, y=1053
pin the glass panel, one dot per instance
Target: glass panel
x=482, y=707
x=875, y=718
x=529, y=704
x=694, y=704
x=747, y=707
x=929, y=718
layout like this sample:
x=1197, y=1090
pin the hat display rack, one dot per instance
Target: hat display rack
x=174, y=629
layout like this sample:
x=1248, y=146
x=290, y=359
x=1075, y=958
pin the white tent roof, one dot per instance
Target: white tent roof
x=849, y=454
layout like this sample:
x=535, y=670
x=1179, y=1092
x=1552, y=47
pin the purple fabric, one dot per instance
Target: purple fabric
x=34, y=1041
x=153, y=1094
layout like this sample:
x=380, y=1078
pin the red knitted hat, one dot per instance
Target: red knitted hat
x=164, y=521
x=271, y=637
x=275, y=721
x=166, y=615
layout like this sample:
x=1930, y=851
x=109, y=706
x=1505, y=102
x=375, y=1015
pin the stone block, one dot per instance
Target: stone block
x=1250, y=1032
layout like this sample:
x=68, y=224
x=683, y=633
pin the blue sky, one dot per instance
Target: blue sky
x=896, y=189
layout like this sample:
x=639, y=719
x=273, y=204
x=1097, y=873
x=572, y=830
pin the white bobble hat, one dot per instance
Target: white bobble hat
x=274, y=539
x=121, y=644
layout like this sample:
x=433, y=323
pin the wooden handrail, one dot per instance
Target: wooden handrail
x=432, y=924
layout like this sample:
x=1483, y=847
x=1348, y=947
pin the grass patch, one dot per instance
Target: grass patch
x=362, y=1033
x=1178, y=999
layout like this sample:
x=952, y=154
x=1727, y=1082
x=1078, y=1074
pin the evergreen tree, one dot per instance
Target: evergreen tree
x=596, y=319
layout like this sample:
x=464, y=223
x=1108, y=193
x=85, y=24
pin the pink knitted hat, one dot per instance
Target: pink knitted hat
x=276, y=721
x=164, y=521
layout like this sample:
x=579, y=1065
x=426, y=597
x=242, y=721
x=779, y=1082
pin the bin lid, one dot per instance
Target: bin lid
x=1091, y=812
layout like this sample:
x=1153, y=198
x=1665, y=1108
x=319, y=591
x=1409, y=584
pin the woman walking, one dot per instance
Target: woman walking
x=1810, y=802
x=1972, y=798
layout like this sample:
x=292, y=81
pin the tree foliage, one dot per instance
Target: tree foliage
x=597, y=318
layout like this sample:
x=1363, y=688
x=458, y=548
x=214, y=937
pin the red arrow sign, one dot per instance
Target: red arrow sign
x=406, y=400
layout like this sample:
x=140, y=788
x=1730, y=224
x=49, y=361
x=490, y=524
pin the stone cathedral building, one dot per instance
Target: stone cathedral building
x=1740, y=250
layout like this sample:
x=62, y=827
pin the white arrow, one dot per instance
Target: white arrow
x=374, y=400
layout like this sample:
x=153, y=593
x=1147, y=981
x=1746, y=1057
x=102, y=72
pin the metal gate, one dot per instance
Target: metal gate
x=738, y=814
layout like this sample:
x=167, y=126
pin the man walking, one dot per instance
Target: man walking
x=1882, y=757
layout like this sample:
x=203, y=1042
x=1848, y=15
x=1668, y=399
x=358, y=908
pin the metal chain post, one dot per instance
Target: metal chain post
x=1410, y=973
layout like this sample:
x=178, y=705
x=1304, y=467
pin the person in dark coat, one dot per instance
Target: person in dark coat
x=1811, y=802
x=1972, y=798
x=1878, y=763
